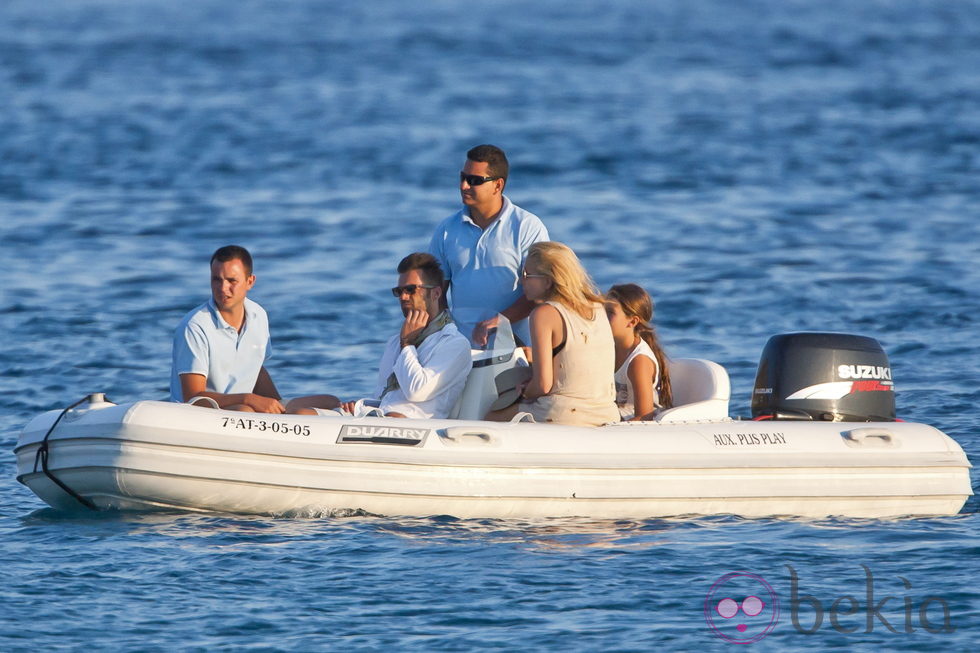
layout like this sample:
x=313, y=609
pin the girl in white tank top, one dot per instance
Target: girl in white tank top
x=642, y=378
x=625, y=394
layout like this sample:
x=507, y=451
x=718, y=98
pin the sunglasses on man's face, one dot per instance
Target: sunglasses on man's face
x=408, y=289
x=475, y=180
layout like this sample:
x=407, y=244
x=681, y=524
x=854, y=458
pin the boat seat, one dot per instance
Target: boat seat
x=701, y=391
x=490, y=376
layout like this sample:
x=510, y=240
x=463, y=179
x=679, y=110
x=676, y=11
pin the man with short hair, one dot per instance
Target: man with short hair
x=482, y=248
x=220, y=347
x=425, y=365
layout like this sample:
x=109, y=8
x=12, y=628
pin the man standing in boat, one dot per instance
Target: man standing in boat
x=220, y=347
x=482, y=248
x=425, y=365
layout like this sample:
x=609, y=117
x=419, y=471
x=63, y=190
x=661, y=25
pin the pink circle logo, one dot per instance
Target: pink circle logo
x=741, y=608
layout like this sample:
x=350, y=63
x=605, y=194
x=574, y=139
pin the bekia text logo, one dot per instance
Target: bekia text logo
x=741, y=608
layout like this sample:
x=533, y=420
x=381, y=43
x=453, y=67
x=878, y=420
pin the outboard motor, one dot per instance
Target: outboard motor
x=832, y=377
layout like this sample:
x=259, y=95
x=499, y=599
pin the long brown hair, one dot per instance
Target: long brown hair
x=635, y=302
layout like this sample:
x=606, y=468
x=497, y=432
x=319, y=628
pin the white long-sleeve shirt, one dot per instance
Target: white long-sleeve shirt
x=430, y=377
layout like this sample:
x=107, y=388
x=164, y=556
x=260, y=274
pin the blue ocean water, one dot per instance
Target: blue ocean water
x=761, y=167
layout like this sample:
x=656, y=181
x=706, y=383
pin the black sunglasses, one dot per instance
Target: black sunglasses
x=410, y=289
x=475, y=180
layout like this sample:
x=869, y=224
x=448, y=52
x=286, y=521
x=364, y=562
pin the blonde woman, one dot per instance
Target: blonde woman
x=571, y=343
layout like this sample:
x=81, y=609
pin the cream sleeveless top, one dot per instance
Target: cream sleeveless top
x=624, y=389
x=583, y=392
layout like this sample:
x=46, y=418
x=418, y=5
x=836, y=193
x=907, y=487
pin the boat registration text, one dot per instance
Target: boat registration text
x=264, y=426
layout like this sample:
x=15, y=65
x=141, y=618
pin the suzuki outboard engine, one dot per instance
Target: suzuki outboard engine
x=832, y=377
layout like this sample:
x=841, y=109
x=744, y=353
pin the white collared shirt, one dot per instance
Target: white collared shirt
x=430, y=377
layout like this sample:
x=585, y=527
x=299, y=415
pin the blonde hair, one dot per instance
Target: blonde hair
x=636, y=302
x=571, y=285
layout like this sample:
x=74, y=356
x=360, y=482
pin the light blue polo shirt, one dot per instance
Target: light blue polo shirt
x=205, y=344
x=484, y=266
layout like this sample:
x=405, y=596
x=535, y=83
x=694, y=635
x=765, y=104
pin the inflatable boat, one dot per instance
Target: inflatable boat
x=806, y=453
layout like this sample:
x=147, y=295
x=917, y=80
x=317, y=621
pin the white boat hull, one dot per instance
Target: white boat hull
x=158, y=455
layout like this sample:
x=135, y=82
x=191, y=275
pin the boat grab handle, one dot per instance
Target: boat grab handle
x=193, y=401
x=870, y=436
x=459, y=433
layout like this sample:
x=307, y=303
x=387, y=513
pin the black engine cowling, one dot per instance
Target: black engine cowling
x=824, y=376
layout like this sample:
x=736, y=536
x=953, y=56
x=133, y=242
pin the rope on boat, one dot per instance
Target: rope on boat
x=42, y=456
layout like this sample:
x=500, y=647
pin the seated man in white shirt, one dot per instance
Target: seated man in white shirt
x=425, y=365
